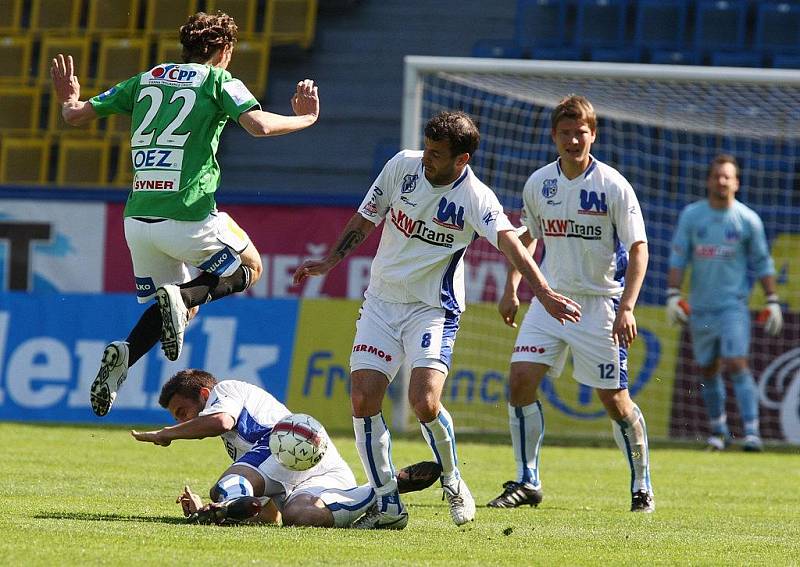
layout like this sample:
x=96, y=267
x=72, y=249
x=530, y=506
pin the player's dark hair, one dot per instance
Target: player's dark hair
x=574, y=107
x=720, y=160
x=457, y=128
x=186, y=383
x=204, y=34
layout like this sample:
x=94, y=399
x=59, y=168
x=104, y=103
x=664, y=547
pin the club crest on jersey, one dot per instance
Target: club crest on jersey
x=592, y=204
x=732, y=235
x=449, y=216
x=549, y=188
x=409, y=183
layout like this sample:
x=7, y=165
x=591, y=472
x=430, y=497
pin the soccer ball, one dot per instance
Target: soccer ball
x=298, y=441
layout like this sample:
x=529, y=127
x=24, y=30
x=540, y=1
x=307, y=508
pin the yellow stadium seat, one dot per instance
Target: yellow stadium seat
x=55, y=15
x=169, y=51
x=15, y=53
x=291, y=22
x=250, y=63
x=83, y=162
x=20, y=110
x=78, y=47
x=56, y=124
x=123, y=177
x=243, y=12
x=165, y=17
x=120, y=59
x=113, y=17
x=24, y=161
x=10, y=16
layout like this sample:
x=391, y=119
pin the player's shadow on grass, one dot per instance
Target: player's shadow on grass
x=94, y=517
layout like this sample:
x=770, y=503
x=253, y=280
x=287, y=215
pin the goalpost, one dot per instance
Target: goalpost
x=660, y=126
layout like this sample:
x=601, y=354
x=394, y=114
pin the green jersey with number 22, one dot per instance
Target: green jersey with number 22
x=177, y=114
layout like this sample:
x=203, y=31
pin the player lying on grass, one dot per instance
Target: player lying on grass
x=243, y=415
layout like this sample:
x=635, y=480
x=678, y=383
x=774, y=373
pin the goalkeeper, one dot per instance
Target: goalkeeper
x=723, y=239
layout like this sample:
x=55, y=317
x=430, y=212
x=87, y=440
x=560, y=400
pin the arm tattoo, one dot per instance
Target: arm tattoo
x=349, y=241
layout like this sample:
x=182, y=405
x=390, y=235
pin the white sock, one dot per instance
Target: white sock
x=630, y=433
x=348, y=505
x=374, y=444
x=231, y=486
x=441, y=439
x=527, y=431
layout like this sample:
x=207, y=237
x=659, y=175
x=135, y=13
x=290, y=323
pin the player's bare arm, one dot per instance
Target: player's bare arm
x=624, y=330
x=355, y=232
x=305, y=104
x=68, y=92
x=198, y=428
x=558, y=306
x=509, y=302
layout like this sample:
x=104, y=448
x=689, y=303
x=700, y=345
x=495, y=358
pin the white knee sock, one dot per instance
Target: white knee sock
x=630, y=433
x=374, y=444
x=348, y=505
x=441, y=439
x=527, y=431
x=231, y=486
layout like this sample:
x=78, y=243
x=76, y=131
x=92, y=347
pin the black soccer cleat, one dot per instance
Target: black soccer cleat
x=642, y=501
x=517, y=494
x=418, y=476
x=229, y=512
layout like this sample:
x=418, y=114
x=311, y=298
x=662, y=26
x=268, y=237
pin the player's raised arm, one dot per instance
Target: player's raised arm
x=558, y=306
x=200, y=427
x=305, y=104
x=355, y=232
x=68, y=92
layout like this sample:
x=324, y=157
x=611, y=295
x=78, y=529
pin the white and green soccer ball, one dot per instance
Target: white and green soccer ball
x=298, y=441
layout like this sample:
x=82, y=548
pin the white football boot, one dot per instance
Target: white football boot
x=174, y=319
x=462, y=505
x=112, y=373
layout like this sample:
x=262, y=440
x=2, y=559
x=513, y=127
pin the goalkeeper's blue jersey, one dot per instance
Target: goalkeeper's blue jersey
x=726, y=248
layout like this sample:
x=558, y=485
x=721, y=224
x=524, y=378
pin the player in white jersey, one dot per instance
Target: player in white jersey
x=434, y=206
x=243, y=415
x=596, y=251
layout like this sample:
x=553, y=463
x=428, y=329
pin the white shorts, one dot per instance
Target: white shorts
x=163, y=251
x=387, y=334
x=597, y=361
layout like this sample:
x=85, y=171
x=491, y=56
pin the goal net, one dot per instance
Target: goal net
x=660, y=126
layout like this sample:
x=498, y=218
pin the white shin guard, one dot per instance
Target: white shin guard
x=526, y=424
x=441, y=439
x=630, y=433
x=231, y=486
x=374, y=444
x=348, y=505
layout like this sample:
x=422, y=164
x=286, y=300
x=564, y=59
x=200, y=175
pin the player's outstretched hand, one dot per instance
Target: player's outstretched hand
x=155, y=437
x=305, y=101
x=560, y=307
x=311, y=268
x=62, y=71
x=508, y=307
x=624, y=330
x=189, y=501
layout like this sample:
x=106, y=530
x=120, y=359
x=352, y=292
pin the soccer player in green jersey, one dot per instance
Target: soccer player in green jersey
x=172, y=224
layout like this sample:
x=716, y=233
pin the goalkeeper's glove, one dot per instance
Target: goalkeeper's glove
x=771, y=316
x=677, y=308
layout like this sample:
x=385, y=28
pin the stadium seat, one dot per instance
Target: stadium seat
x=736, y=59
x=250, y=63
x=601, y=23
x=614, y=54
x=120, y=59
x=720, y=24
x=165, y=17
x=82, y=162
x=10, y=16
x=15, y=53
x=291, y=22
x=118, y=17
x=24, y=161
x=20, y=111
x=777, y=27
x=78, y=47
x=169, y=51
x=56, y=124
x=55, y=15
x=499, y=48
x=660, y=24
x=541, y=23
x=122, y=175
x=786, y=61
x=242, y=11
x=557, y=53
x=673, y=57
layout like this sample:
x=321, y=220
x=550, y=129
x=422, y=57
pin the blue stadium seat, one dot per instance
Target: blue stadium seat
x=672, y=57
x=618, y=55
x=601, y=23
x=736, y=59
x=557, y=53
x=720, y=24
x=786, y=61
x=503, y=48
x=541, y=23
x=660, y=24
x=777, y=27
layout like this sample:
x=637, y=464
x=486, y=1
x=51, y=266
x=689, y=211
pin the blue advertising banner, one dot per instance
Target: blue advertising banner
x=50, y=349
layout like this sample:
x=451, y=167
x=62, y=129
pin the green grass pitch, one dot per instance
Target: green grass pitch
x=88, y=496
